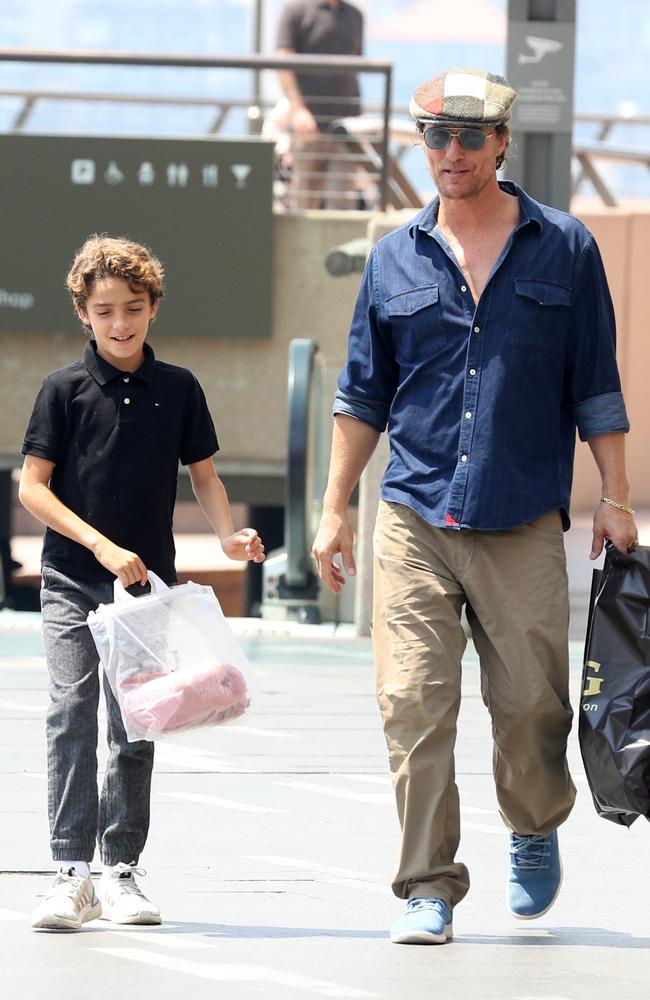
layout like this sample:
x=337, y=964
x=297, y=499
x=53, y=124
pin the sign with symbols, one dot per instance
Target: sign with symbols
x=204, y=207
x=540, y=68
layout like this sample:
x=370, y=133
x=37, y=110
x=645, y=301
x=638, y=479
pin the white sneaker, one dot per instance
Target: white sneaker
x=123, y=902
x=70, y=902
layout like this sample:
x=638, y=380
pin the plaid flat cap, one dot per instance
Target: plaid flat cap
x=463, y=96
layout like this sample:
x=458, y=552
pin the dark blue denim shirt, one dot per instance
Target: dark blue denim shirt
x=482, y=401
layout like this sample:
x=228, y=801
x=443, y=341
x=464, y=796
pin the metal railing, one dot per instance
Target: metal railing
x=351, y=156
x=370, y=147
x=588, y=151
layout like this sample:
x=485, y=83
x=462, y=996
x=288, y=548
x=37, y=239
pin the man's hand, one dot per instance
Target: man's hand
x=126, y=566
x=245, y=544
x=302, y=121
x=616, y=525
x=334, y=535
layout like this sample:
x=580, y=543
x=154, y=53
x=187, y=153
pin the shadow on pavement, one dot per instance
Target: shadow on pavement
x=253, y=931
x=581, y=937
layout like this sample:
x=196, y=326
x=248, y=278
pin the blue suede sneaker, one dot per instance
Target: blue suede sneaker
x=535, y=875
x=426, y=921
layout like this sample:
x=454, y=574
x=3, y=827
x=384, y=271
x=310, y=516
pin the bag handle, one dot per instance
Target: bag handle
x=122, y=596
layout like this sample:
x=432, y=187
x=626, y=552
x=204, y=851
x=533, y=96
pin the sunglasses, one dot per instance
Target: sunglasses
x=471, y=139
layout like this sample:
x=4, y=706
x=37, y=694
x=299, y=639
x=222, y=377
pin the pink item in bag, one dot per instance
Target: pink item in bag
x=184, y=699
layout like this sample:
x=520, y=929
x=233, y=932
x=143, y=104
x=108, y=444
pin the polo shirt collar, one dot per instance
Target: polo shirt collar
x=103, y=372
x=427, y=218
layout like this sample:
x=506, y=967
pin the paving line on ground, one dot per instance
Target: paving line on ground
x=275, y=734
x=370, y=779
x=384, y=780
x=213, y=800
x=315, y=866
x=342, y=878
x=189, y=757
x=9, y=662
x=169, y=936
x=16, y=706
x=225, y=972
x=368, y=798
x=484, y=828
x=6, y=914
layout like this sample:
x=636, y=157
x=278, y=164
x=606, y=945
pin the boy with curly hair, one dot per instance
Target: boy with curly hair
x=101, y=463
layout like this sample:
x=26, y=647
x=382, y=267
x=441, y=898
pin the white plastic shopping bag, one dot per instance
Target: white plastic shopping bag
x=171, y=660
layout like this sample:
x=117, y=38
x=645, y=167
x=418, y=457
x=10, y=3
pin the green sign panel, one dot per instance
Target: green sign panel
x=204, y=206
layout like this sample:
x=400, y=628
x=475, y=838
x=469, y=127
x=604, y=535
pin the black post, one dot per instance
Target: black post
x=269, y=521
x=540, y=67
x=388, y=97
x=255, y=124
x=5, y=532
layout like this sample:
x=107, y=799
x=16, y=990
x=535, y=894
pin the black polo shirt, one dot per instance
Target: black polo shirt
x=314, y=27
x=116, y=439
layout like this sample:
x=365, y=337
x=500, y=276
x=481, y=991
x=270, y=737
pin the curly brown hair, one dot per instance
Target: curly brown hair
x=104, y=256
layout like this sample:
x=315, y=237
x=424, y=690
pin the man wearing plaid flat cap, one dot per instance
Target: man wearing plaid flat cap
x=483, y=336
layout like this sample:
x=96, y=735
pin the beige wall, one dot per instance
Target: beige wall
x=245, y=381
x=624, y=239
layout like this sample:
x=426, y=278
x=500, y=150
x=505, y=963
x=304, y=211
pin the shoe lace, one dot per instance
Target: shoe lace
x=124, y=875
x=427, y=903
x=66, y=884
x=530, y=853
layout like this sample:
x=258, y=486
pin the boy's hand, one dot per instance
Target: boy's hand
x=126, y=566
x=245, y=544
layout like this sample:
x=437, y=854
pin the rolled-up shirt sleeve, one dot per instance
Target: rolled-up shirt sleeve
x=593, y=379
x=367, y=383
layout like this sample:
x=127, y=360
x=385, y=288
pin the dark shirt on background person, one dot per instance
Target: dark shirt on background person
x=322, y=27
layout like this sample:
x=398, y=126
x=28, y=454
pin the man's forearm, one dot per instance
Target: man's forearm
x=609, y=454
x=353, y=443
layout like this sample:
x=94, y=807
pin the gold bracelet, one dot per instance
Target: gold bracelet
x=619, y=506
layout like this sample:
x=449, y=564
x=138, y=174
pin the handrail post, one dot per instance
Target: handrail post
x=388, y=86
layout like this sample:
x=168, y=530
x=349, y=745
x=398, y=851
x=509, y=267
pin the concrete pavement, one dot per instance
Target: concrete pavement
x=271, y=851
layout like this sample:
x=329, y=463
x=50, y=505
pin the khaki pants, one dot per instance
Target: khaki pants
x=515, y=587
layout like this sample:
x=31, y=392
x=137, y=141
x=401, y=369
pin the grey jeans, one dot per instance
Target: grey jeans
x=118, y=817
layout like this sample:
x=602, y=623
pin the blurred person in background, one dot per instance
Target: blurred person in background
x=319, y=177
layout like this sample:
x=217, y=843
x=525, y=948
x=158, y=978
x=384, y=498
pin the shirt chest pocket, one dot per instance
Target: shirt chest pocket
x=415, y=320
x=539, y=315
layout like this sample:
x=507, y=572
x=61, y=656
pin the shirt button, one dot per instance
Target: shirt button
x=472, y=371
x=463, y=288
x=463, y=458
x=126, y=379
x=127, y=401
x=468, y=415
x=477, y=329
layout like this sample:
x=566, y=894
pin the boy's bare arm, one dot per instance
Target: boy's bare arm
x=213, y=501
x=36, y=496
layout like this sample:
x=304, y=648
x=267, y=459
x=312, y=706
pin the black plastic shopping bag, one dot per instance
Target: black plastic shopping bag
x=614, y=727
